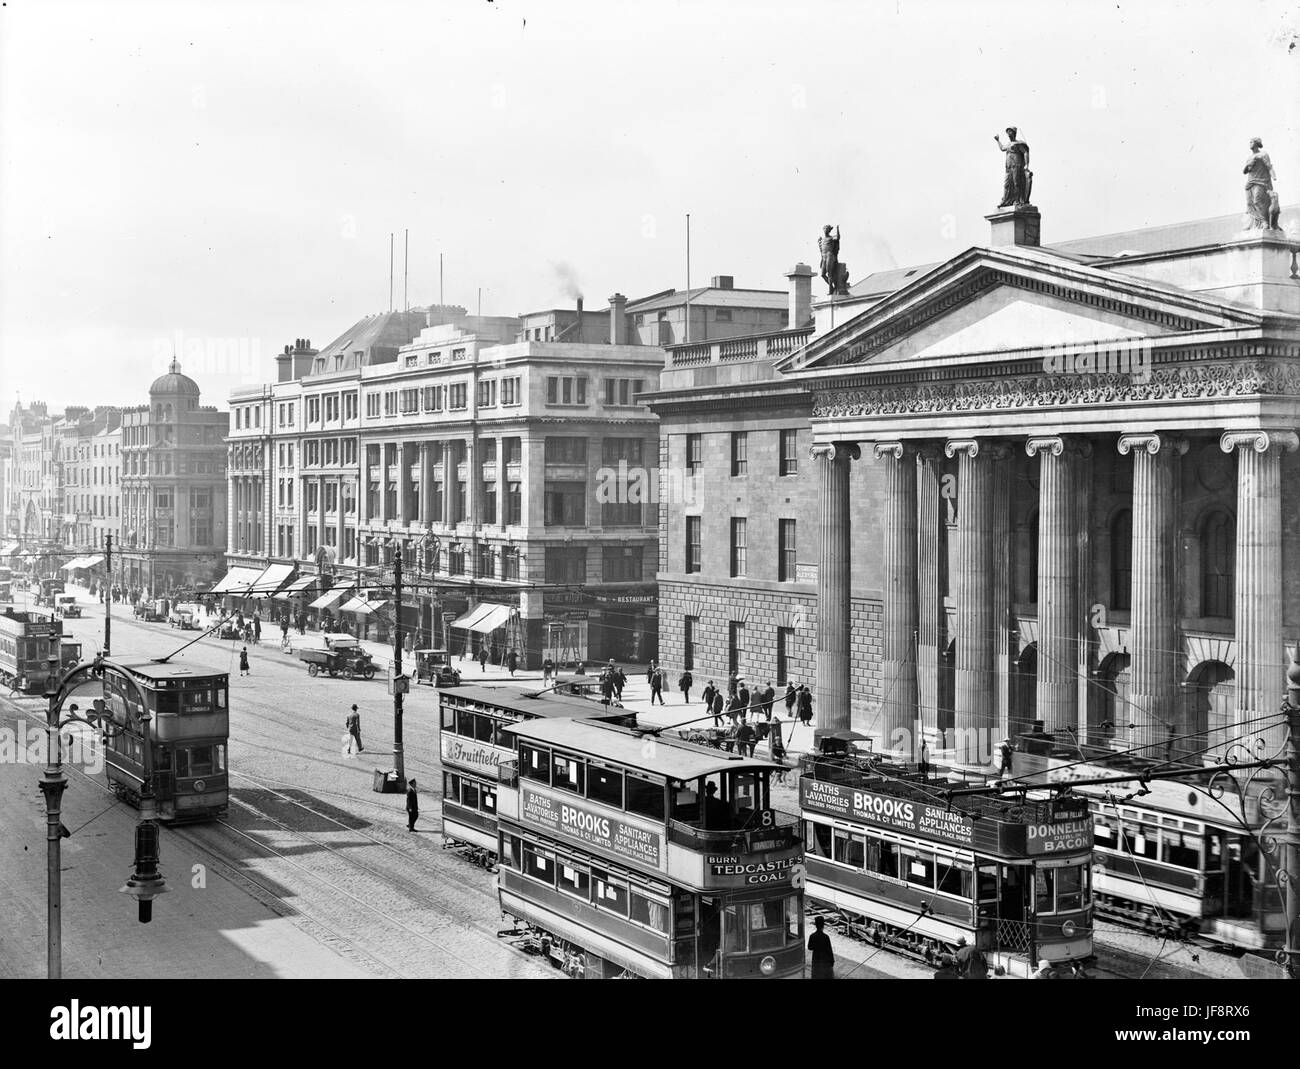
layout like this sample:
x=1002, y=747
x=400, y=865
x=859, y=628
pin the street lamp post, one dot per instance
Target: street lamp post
x=53, y=784
x=399, y=763
x=1291, y=859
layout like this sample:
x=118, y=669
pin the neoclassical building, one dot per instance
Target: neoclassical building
x=1083, y=461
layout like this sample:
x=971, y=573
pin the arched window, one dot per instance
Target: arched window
x=1218, y=563
x=1121, y=560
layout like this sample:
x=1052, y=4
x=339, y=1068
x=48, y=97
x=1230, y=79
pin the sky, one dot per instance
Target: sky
x=215, y=180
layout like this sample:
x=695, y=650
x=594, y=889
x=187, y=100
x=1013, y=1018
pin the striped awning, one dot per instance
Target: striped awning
x=331, y=597
x=271, y=579
x=484, y=618
x=91, y=561
x=362, y=607
x=237, y=580
x=296, y=587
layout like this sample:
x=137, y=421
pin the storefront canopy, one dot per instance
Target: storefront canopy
x=484, y=618
x=270, y=580
x=10, y=549
x=296, y=587
x=237, y=581
x=72, y=565
x=90, y=562
x=362, y=607
x=331, y=597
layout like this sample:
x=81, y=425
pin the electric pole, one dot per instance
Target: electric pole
x=398, y=762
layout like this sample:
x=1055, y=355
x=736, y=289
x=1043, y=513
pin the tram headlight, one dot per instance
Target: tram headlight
x=767, y=966
x=1068, y=929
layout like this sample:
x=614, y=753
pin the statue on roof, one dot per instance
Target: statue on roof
x=834, y=273
x=1018, y=183
x=1261, y=198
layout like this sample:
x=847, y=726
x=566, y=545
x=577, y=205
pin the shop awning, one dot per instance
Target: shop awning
x=297, y=586
x=90, y=562
x=10, y=549
x=362, y=607
x=72, y=565
x=271, y=579
x=237, y=581
x=331, y=597
x=484, y=618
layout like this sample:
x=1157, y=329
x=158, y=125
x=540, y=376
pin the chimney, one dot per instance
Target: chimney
x=723, y=282
x=577, y=335
x=618, y=320
x=800, y=277
x=1014, y=226
x=295, y=361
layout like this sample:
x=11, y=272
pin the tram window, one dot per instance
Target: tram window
x=194, y=761
x=221, y=697
x=1146, y=840
x=469, y=793
x=166, y=702
x=645, y=796
x=567, y=773
x=605, y=785
x=500, y=735
x=484, y=728
x=1180, y=848
x=1214, y=850
x=648, y=912
x=889, y=856
x=988, y=883
x=953, y=879
x=1069, y=888
x=849, y=849
x=1044, y=890
x=817, y=839
x=1103, y=830
x=573, y=881
x=768, y=924
x=744, y=792
x=449, y=719
x=610, y=895
x=219, y=757
x=733, y=931
x=162, y=759
x=488, y=800
x=920, y=870
x=538, y=866
x=450, y=785
x=510, y=849
x=686, y=802
x=535, y=763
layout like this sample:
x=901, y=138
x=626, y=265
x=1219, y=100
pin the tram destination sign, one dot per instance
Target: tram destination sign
x=592, y=827
x=907, y=815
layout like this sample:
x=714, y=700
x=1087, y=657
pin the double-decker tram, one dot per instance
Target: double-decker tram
x=913, y=867
x=6, y=585
x=28, y=641
x=649, y=857
x=1180, y=858
x=472, y=742
x=188, y=731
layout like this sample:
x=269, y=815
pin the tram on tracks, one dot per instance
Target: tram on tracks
x=6, y=585
x=188, y=730
x=910, y=866
x=639, y=856
x=28, y=640
x=1170, y=857
x=472, y=742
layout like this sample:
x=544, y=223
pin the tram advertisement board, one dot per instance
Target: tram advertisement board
x=483, y=756
x=907, y=815
x=592, y=827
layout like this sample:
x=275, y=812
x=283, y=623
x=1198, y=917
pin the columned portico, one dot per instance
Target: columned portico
x=1153, y=641
x=1059, y=620
x=1258, y=596
x=834, y=580
x=898, y=712
x=976, y=629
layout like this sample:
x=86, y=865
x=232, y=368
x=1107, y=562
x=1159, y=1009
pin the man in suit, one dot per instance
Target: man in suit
x=412, y=805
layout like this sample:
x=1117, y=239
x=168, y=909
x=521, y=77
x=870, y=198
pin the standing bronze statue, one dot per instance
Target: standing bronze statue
x=1019, y=181
x=834, y=273
x=1261, y=199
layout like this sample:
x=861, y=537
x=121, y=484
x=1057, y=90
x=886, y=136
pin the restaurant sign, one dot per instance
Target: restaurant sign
x=907, y=815
x=591, y=827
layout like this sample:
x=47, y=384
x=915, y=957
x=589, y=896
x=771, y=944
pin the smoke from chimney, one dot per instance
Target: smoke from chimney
x=567, y=279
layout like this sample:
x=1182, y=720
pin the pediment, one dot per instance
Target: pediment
x=988, y=302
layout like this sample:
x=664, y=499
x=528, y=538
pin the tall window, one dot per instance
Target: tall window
x=694, y=453
x=621, y=564
x=566, y=504
x=565, y=450
x=784, y=653
x=693, y=524
x=1218, y=564
x=735, y=646
x=1121, y=560
x=514, y=505
x=739, y=453
x=789, y=453
x=566, y=565
x=691, y=626
x=785, y=565
x=738, y=546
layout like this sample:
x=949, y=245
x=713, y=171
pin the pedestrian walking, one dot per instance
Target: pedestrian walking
x=732, y=681
x=657, y=686
x=742, y=692
x=548, y=669
x=650, y=672
x=805, y=705
x=718, y=709
x=284, y=629
x=620, y=681
x=1004, y=752
x=823, y=957
x=257, y=630
x=707, y=696
x=412, y=805
x=243, y=661
x=791, y=696
x=482, y=658
x=745, y=739
x=606, y=686
x=512, y=662
x=353, y=724
x=769, y=699
x=684, y=685
x=971, y=963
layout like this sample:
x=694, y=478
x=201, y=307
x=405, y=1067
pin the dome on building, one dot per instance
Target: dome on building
x=174, y=383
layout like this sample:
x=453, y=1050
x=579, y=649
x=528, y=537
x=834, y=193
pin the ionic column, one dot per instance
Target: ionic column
x=898, y=639
x=1261, y=663
x=1059, y=624
x=834, y=588
x=1153, y=629
x=976, y=624
x=931, y=549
